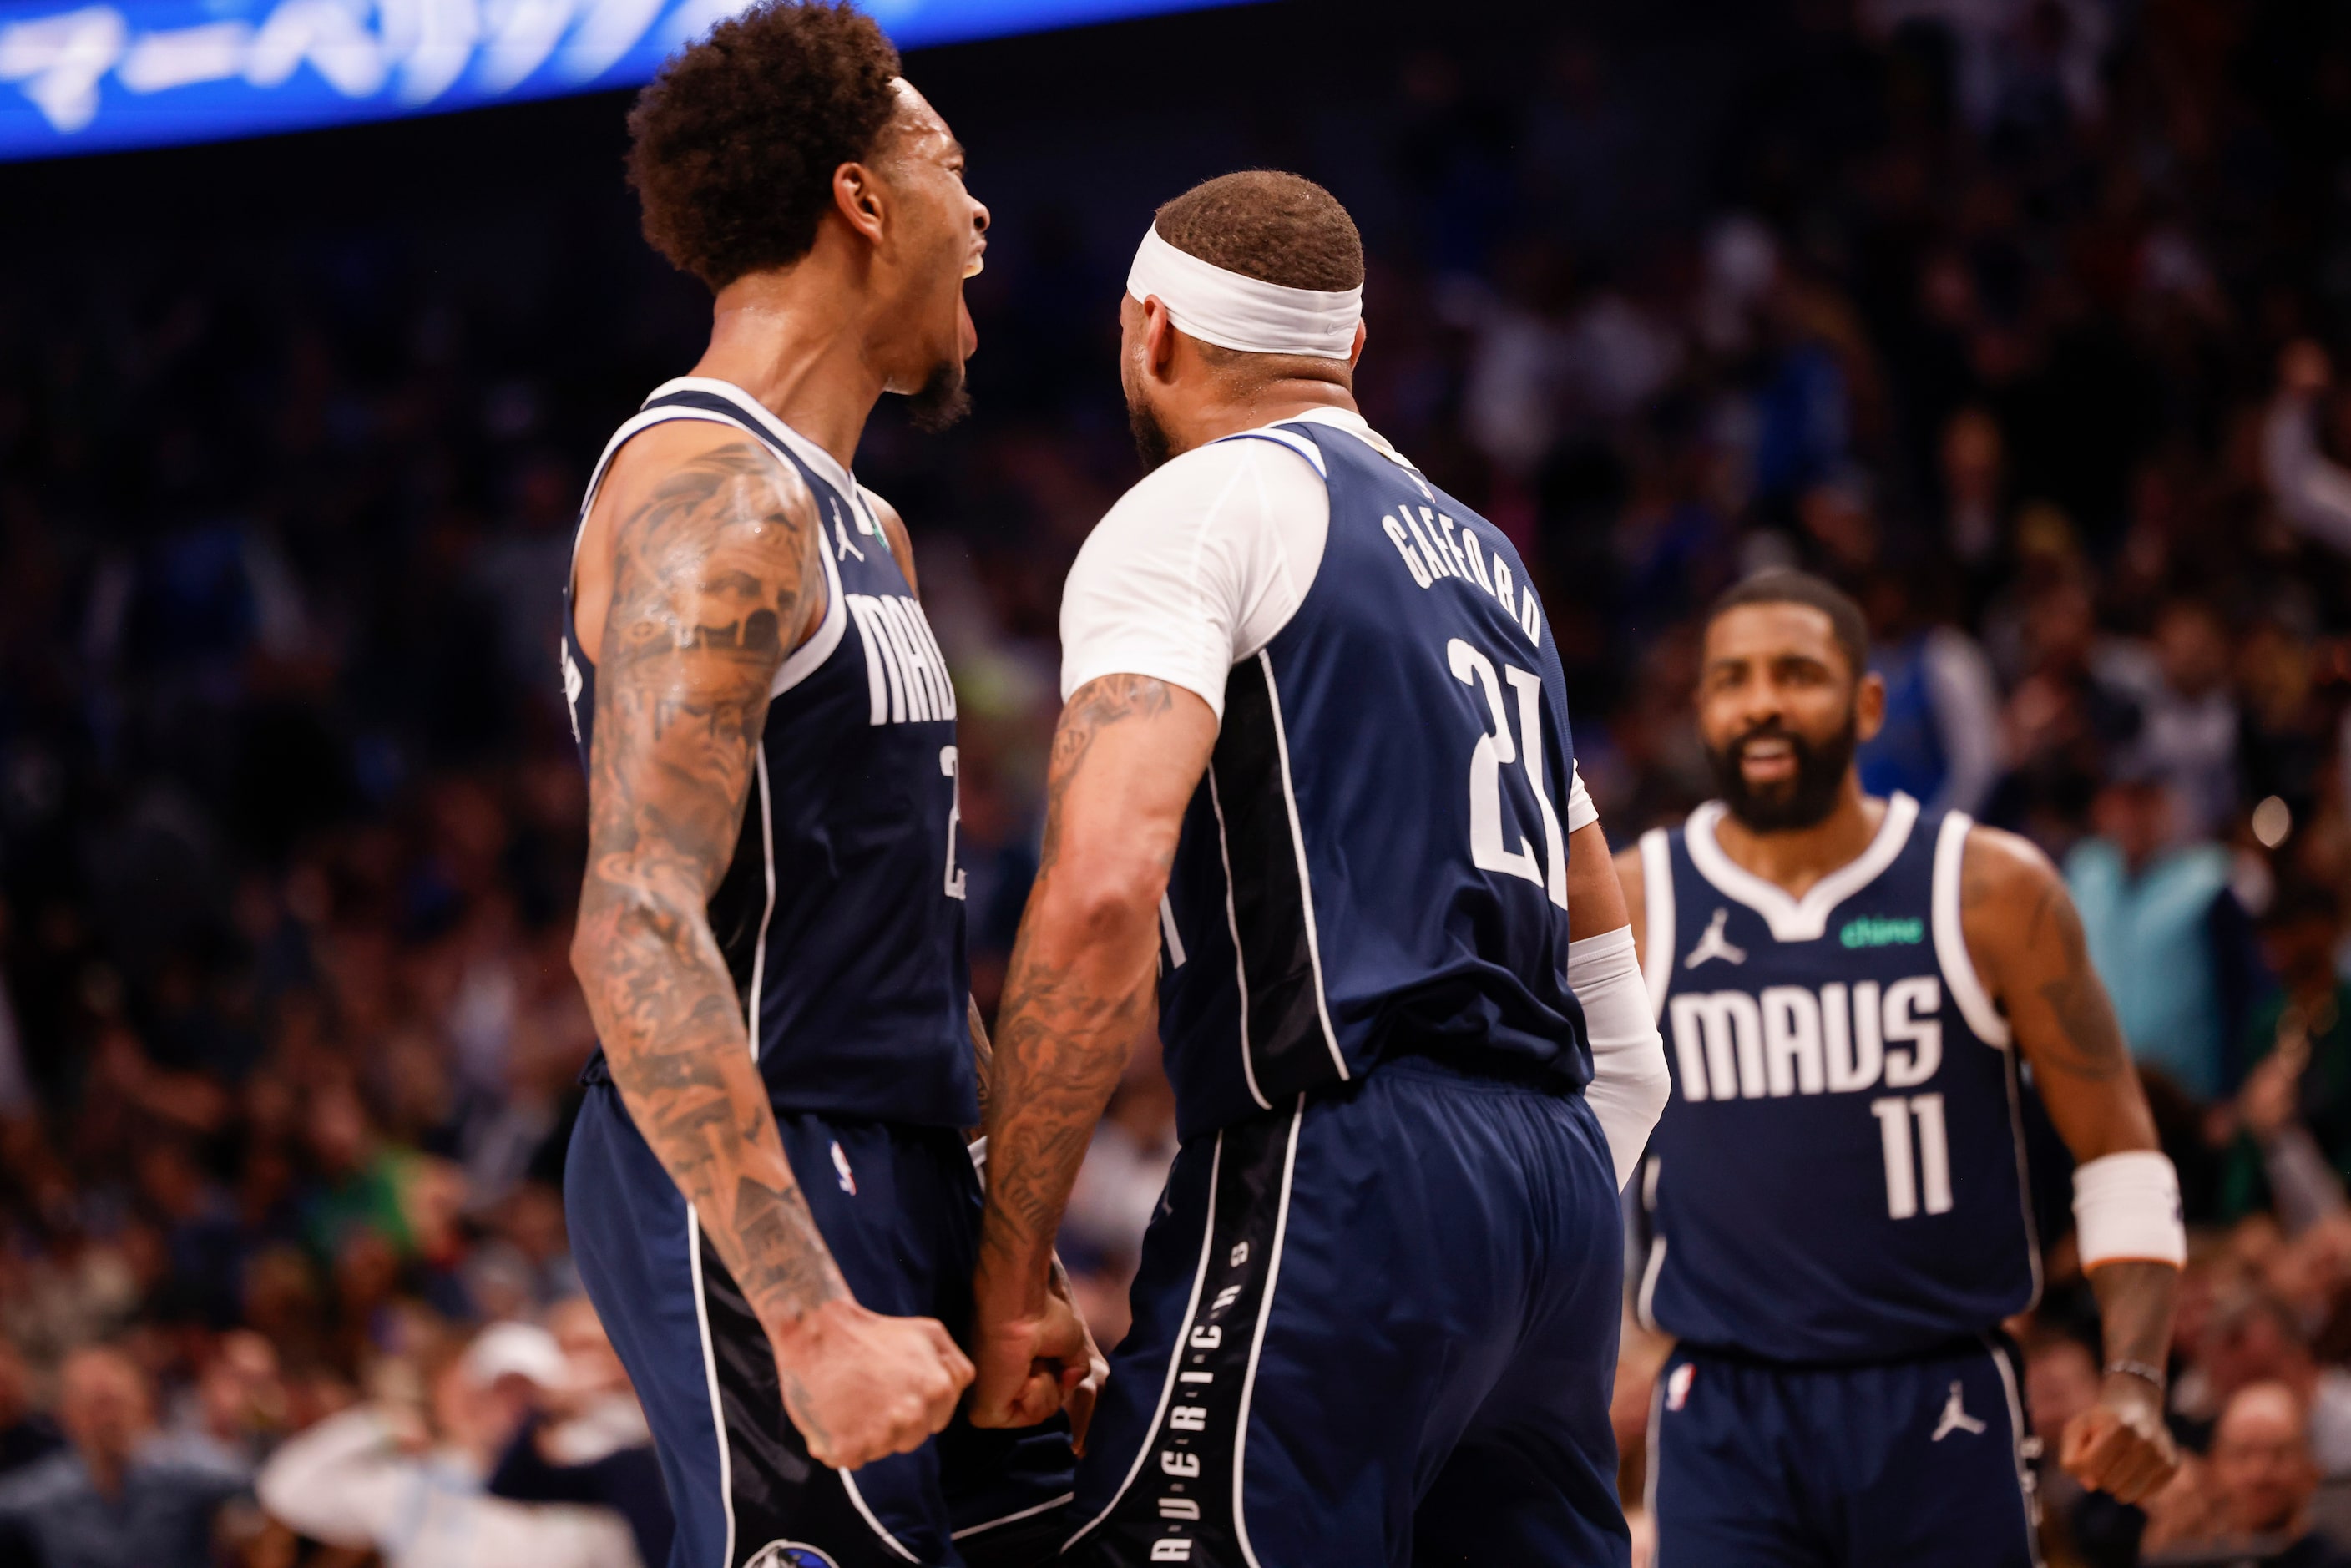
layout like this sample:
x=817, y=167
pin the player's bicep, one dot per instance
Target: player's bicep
x=1127, y=754
x=1595, y=899
x=2027, y=939
x=713, y=573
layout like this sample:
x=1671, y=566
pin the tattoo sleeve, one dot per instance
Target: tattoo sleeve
x=713, y=573
x=1081, y=986
x=983, y=1057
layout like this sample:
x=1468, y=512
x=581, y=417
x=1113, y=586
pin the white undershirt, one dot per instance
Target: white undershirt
x=1203, y=562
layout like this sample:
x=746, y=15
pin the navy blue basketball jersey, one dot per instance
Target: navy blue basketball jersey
x=1375, y=861
x=843, y=914
x=1839, y=1175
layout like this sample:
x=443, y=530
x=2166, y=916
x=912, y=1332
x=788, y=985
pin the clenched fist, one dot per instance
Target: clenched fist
x=861, y=1386
x=2120, y=1444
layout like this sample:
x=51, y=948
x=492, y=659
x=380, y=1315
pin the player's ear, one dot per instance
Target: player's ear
x=1869, y=706
x=858, y=198
x=1356, y=354
x=1158, y=340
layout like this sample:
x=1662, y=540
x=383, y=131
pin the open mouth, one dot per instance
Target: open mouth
x=1768, y=758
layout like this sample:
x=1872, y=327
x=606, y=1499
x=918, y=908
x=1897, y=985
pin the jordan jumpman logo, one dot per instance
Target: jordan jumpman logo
x=1714, y=944
x=1956, y=1418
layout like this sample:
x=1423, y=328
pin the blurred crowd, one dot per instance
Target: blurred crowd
x=2021, y=317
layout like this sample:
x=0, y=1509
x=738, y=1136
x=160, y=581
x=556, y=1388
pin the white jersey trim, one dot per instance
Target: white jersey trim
x=1305, y=877
x=1960, y=977
x=810, y=655
x=1657, y=908
x=1792, y=919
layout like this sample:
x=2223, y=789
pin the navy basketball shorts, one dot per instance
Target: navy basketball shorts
x=1376, y=1327
x=900, y=1208
x=1756, y=1465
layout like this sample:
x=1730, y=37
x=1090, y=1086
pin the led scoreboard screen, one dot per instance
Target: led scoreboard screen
x=82, y=78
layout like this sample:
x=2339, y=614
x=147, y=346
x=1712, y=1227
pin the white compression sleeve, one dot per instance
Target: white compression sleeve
x=1628, y=1057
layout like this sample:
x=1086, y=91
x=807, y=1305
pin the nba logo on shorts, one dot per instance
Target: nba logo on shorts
x=1678, y=1387
x=789, y=1554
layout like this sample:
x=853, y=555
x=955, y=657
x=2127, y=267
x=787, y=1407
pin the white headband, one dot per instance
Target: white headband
x=1244, y=313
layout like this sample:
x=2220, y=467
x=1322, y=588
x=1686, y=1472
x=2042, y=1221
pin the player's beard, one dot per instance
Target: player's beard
x=1151, y=440
x=944, y=399
x=1805, y=800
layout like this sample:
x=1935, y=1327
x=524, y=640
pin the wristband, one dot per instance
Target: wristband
x=2140, y=1370
x=2126, y=1209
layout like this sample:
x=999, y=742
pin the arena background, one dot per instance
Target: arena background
x=2015, y=316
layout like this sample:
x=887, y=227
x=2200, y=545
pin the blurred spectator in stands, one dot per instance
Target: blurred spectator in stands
x=236, y=1407
x=115, y=1498
x=406, y=1474
x=2165, y=932
x=2249, y=1503
x=2309, y=488
x=1940, y=742
x=2256, y=1339
x=584, y=1439
x=2190, y=715
x=2295, y=1112
x=26, y=1432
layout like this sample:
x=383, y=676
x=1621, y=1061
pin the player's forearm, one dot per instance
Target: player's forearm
x=674, y=1035
x=1079, y=989
x=2136, y=1301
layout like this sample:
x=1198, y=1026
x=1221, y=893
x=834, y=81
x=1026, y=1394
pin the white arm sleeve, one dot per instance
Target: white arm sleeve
x=1195, y=568
x=1628, y=1056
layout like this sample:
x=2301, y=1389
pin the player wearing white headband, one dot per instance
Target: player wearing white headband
x=1313, y=783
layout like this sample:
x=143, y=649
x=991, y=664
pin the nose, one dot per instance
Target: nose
x=978, y=216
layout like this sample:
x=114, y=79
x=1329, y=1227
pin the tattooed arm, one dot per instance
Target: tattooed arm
x=2028, y=945
x=1127, y=757
x=707, y=548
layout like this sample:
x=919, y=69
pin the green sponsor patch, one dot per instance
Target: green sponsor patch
x=1878, y=931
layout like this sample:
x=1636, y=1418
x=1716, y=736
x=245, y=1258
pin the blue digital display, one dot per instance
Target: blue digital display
x=82, y=78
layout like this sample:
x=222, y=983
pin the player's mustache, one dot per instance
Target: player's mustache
x=1770, y=729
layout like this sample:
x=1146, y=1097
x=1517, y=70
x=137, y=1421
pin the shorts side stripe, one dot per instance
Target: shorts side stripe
x=1175, y=1352
x=2028, y=1494
x=710, y=1375
x=1256, y=1343
x=857, y=1498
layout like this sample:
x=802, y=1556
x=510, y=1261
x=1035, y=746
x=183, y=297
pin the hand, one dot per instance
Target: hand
x=2120, y=1444
x=1030, y=1363
x=1080, y=1400
x=860, y=1386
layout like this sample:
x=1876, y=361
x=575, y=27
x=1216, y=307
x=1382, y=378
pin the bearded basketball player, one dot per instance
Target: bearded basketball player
x=1313, y=787
x=1836, y=1198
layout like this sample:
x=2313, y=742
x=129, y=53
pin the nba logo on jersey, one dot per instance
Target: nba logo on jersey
x=789, y=1554
x=1678, y=1386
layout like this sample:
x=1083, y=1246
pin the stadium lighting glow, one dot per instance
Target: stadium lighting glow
x=135, y=73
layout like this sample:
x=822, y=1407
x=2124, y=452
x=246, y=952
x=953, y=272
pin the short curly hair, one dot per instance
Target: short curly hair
x=1269, y=226
x=734, y=146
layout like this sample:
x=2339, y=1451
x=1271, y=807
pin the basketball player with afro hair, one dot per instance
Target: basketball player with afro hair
x=768, y=1192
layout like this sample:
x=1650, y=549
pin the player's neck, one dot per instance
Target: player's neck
x=1269, y=403
x=787, y=340
x=1792, y=860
